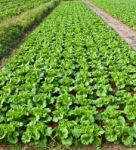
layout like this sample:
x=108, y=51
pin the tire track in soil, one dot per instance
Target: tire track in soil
x=124, y=31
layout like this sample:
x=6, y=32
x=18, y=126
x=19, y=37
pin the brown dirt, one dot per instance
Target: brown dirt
x=125, y=32
x=133, y=92
x=106, y=146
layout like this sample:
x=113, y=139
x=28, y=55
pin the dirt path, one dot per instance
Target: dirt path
x=123, y=30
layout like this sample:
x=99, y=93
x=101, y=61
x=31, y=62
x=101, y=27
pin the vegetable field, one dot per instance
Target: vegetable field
x=72, y=81
x=124, y=10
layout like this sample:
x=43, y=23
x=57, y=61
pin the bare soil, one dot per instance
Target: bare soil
x=106, y=146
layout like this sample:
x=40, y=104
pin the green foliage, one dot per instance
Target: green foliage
x=70, y=82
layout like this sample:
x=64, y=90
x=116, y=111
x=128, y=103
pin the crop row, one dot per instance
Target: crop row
x=73, y=80
x=12, y=29
x=13, y=8
x=123, y=10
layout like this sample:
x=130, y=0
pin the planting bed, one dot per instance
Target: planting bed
x=72, y=81
x=13, y=29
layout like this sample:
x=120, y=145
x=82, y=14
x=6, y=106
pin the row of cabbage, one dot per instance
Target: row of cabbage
x=124, y=10
x=16, y=7
x=72, y=81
